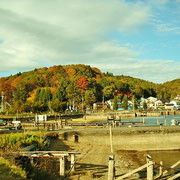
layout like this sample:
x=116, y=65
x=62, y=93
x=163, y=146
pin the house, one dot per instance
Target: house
x=150, y=105
x=110, y=103
x=175, y=104
x=151, y=99
x=158, y=104
x=99, y=105
x=169, y=106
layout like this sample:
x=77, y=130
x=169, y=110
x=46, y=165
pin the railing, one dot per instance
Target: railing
x=150, y=167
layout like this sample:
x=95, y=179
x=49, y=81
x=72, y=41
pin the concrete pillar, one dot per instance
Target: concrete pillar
x=73, y=159
x=150, y=170
x=165, y=121
x=111, y=172
x=158, y=121
x=62, y=166
x=160, y=169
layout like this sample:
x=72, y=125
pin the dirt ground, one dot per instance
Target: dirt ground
x=92, y=163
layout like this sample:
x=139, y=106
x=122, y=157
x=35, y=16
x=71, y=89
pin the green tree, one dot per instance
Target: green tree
x=43, y=95
x=37, y=95
x=73, y=92
x=144, y=105
x=125, y=102
x=89, y=97
x=135, y=103
x=61, y=93
x=58, y=106
x=108, y=91
x=86, y=98
x=115, y=104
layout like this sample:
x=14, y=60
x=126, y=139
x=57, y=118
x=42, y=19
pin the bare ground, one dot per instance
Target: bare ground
x=93, y=161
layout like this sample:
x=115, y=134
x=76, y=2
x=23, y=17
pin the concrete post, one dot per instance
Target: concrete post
x=158, y=121
x=150, y=170
x=111, y=172
x=62, y=166
x=160, y=169
x=73, y=159
x=165, y=121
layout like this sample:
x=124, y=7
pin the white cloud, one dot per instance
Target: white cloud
x=38, y=32
x=154, y=70
x=167, y=28
x=60, y=32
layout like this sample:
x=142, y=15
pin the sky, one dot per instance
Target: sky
x=138, y=38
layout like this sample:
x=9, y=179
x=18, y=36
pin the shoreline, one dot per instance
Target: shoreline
x=135, y=138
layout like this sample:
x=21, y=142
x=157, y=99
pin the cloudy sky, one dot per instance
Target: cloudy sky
x=138, y=38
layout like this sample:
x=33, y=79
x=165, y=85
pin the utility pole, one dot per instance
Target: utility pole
x=82, y=103
x=111, y=163
x=103, y=101
x=2, y=101
x=73, y=104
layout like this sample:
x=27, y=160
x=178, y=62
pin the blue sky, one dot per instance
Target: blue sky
x=131, y=37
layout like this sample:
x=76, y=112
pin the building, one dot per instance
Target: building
x=158, y=104
x=40, y=118
x=169, y=106
x=176, y=104
x=151, y=99
x=99, y=105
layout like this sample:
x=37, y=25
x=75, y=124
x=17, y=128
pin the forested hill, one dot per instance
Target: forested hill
x=173, y=87
x=62, y=84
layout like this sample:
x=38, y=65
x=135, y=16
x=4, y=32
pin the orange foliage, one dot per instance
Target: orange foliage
x=71, y=72
x=96, y=70
x=32, y=95
x=15, y=81
x=98, y=76
x=52, y=69
x=82, y=83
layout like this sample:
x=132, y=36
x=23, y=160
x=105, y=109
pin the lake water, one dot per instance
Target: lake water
x=153, y=121
x=168, y=157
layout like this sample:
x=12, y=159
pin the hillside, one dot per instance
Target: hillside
x=57, y=85
x=172, y=87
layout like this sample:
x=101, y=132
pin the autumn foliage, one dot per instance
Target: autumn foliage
x=82, y=83
x=56, y=87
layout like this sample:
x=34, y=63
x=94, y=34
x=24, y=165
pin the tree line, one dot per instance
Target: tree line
x=76, y=86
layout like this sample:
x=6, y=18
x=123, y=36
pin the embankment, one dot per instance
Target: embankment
x=137, y=138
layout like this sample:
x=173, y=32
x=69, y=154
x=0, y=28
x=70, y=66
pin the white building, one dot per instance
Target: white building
x=152, y=99
x=175, y=103
x=40, y=118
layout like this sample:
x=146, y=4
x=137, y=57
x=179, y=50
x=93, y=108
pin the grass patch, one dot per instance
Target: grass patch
x=9, y=171
x=18, y=141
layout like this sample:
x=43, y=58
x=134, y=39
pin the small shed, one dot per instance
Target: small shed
x=40, y=118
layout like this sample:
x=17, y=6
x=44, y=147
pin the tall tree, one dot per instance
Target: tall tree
x=144, y=105
x=125, y=102
x=115, y=104
x=61, y=92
